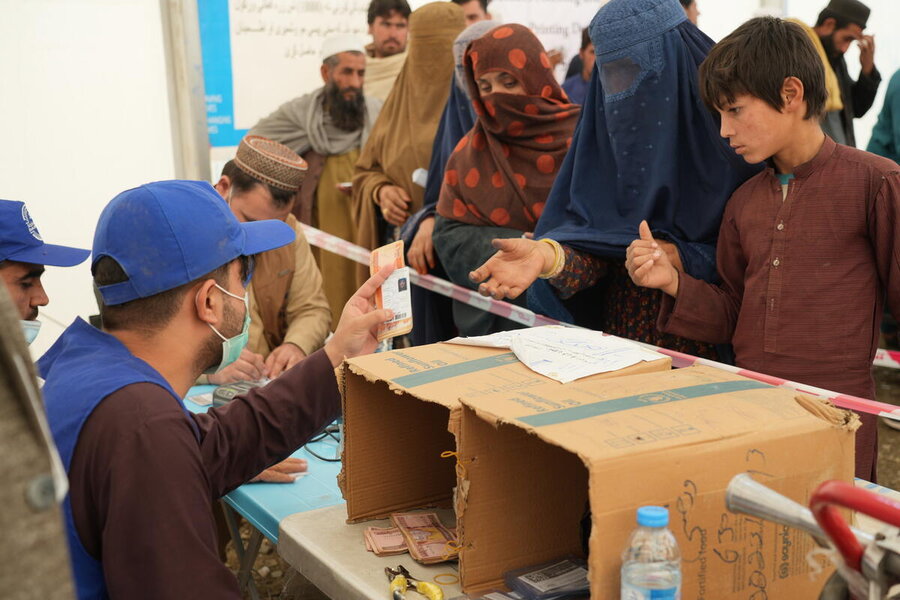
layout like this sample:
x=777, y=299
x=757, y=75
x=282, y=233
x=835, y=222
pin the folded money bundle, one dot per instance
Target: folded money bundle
x=385, y=541
x=427, y=539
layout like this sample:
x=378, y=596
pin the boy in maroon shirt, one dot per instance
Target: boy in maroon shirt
x=808, y=249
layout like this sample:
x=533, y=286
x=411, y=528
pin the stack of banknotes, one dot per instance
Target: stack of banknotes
x=423, y=535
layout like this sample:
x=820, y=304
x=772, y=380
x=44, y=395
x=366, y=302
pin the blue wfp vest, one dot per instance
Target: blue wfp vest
x=82, y=368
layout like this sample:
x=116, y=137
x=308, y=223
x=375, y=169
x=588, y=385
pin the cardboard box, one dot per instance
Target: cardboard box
x=532, y=463
x=401, y=411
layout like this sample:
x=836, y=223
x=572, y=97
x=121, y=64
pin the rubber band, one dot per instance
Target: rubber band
x=460, y=468
x=451, y=550
x=454, y=579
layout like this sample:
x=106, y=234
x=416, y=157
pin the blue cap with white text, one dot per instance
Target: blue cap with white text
x=169, y=233
x=20, y=240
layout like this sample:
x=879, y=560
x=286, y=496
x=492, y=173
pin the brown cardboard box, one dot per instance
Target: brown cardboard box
x=401, y=411
x=531, y=463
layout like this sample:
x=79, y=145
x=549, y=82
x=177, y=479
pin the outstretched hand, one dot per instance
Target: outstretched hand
x=515, y=266
x=649, y=264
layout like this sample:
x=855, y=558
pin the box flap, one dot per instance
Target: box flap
x=650, y=412
x=442, y=373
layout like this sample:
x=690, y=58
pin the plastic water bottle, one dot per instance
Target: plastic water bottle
x=651, y=563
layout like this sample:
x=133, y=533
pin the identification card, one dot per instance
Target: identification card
x=394, y=294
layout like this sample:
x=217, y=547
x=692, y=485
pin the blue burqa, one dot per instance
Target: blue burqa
x=646, y=147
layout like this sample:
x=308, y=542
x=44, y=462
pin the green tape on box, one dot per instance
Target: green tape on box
x=605, y=407
x=451, y=371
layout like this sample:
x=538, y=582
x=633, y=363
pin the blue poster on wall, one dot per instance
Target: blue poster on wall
x=259, y=54
x=215, y=42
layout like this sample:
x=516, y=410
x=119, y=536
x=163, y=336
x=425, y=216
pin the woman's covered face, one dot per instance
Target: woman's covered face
x=499, y=81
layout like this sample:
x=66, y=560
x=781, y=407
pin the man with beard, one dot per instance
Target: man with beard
x=23, y=255
x=327, y=128
x=842, y=22
x=171, y=265
x=389, y=27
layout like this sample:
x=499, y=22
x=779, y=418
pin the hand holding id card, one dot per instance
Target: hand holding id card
x=394, y=293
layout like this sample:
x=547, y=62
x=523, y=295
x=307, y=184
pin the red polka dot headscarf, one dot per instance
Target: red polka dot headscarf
x=502, y=170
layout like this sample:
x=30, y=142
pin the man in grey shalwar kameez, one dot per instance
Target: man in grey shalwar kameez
x=328, y=127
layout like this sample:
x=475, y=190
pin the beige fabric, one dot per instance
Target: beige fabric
x=34, y=560
x=381, y=74
x=333, y=216
x=832, y=86
x=403, y=135
x=306, y=308
x=302, y=124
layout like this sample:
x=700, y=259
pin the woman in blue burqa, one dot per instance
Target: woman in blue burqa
x=432, y=312
x=645, y=148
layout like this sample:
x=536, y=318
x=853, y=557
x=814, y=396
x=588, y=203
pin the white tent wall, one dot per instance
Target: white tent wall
x=86, y=111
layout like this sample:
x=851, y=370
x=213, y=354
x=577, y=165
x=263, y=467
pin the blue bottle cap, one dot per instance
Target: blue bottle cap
x=653, y=516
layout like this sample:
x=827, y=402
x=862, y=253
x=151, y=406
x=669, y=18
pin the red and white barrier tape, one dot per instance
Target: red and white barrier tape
x=519, y=314
x=873, y=407
x=887, y=358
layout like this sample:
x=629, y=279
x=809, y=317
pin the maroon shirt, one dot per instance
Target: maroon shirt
x=142, y=483
x=804, y=278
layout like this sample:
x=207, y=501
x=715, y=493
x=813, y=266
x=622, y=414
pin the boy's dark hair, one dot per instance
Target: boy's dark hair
x=756, y=58
x=384, y=8
x=585, y=38
x=686, y=3
x=154, y=312
x=483, y=3
x=242, y=182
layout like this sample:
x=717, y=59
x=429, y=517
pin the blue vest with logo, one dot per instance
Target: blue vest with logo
x=83, y=367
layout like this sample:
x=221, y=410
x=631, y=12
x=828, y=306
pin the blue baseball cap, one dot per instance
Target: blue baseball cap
x=21, y=241
x=169, y=233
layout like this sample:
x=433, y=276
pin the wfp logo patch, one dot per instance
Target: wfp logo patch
x=29, y=223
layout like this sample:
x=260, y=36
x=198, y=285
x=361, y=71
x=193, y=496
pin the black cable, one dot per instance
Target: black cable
x=329, y=432
x=320, y=457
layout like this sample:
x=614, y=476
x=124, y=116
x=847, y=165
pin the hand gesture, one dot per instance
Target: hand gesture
x=248, y=367
x=284, y=472
x=283, y=358
x=421, y=251
x=394, y=203
x=355, y=332
x=867, y=53
x=649, y=265
x=513, y=268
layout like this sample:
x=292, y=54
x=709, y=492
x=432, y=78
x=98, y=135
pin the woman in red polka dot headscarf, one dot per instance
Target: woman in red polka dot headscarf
x=497, y=179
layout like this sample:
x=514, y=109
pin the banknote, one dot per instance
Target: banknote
x=394, y=293
x=385, y=541
x=429, y=541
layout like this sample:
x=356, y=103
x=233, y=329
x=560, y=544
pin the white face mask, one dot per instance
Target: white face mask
x=30, y=330
x=233, y=346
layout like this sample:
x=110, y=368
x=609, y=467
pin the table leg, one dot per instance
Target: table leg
x=246, y=556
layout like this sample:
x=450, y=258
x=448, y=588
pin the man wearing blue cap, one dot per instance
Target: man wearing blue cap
x=23, y=255
x=171, y=264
